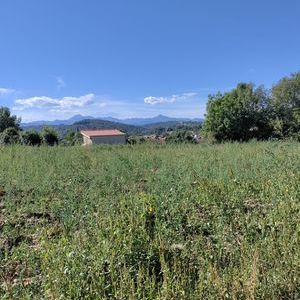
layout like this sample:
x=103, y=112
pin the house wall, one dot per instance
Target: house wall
x=119, y=139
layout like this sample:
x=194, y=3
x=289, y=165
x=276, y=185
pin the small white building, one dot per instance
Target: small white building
x=103, y=136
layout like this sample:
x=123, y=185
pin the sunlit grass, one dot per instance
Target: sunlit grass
x=150, y=222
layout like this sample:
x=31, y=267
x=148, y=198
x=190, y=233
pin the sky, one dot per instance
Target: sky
x=139, y=58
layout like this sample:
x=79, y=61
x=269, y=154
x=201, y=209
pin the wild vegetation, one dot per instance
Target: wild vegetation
x=247, y=112
x=150, y=221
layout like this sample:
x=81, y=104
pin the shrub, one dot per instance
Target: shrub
x=182, y=136
x=31, y=138
x=133, y=140
x=10, y=136
x=73, y=138
x=49, y=136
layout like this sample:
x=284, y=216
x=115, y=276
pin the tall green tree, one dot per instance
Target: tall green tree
x=239, y=115
x=286, y=106
x=7, y=120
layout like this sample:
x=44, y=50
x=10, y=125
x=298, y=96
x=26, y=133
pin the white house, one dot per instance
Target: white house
x=103, y=136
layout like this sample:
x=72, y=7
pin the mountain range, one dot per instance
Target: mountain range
x=155, y=125
x=128, y=121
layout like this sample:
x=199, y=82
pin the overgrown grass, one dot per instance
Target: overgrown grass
x=150, y=222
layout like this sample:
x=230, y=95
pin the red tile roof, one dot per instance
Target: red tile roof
x=102, y=132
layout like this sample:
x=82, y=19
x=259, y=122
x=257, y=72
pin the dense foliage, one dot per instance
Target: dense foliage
x=73, y=138
x=49, y=136
x=31, y=138
x=9, y=136
x=7, y=120
x=286, y=104
x=238, y=115
x=163, y=129
x=182, y=136
x=246, y=113
x=135, y=139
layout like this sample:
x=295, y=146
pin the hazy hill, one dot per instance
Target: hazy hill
x=153, y=120
x=149, y=128
x=128, y=121
x=70, y=121
x=90, y=124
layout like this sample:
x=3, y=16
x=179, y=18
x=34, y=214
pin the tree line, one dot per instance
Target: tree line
x=248, y=113
x=12, y=133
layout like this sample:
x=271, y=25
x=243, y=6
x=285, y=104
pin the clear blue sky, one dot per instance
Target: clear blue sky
x=129, y=58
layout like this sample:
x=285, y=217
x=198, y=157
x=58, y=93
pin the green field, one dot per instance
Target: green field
x=150, y=222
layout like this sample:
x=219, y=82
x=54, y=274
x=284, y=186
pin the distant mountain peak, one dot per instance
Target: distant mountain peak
x=129, y=121
x=70, y=121
x=156, y=119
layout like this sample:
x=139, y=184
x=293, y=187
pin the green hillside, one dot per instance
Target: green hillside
x=129, y=129
x=91, y=124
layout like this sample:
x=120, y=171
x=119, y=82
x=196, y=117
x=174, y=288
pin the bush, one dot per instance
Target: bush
x=31, y=138
x=182, y=136
x=134, y=140
x=49, y=136
x=10, y=136
x=73, y=138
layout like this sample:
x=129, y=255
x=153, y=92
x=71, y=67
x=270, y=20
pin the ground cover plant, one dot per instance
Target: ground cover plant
x=150, y=221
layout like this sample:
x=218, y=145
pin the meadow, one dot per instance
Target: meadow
x=150, y=221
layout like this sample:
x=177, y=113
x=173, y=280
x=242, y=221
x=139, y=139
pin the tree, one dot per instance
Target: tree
x=239, y=115
x=49, y=136
x=7, y=120
x=10, y=136
x=73, y=138
x=286, y=106
x=31, y=138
